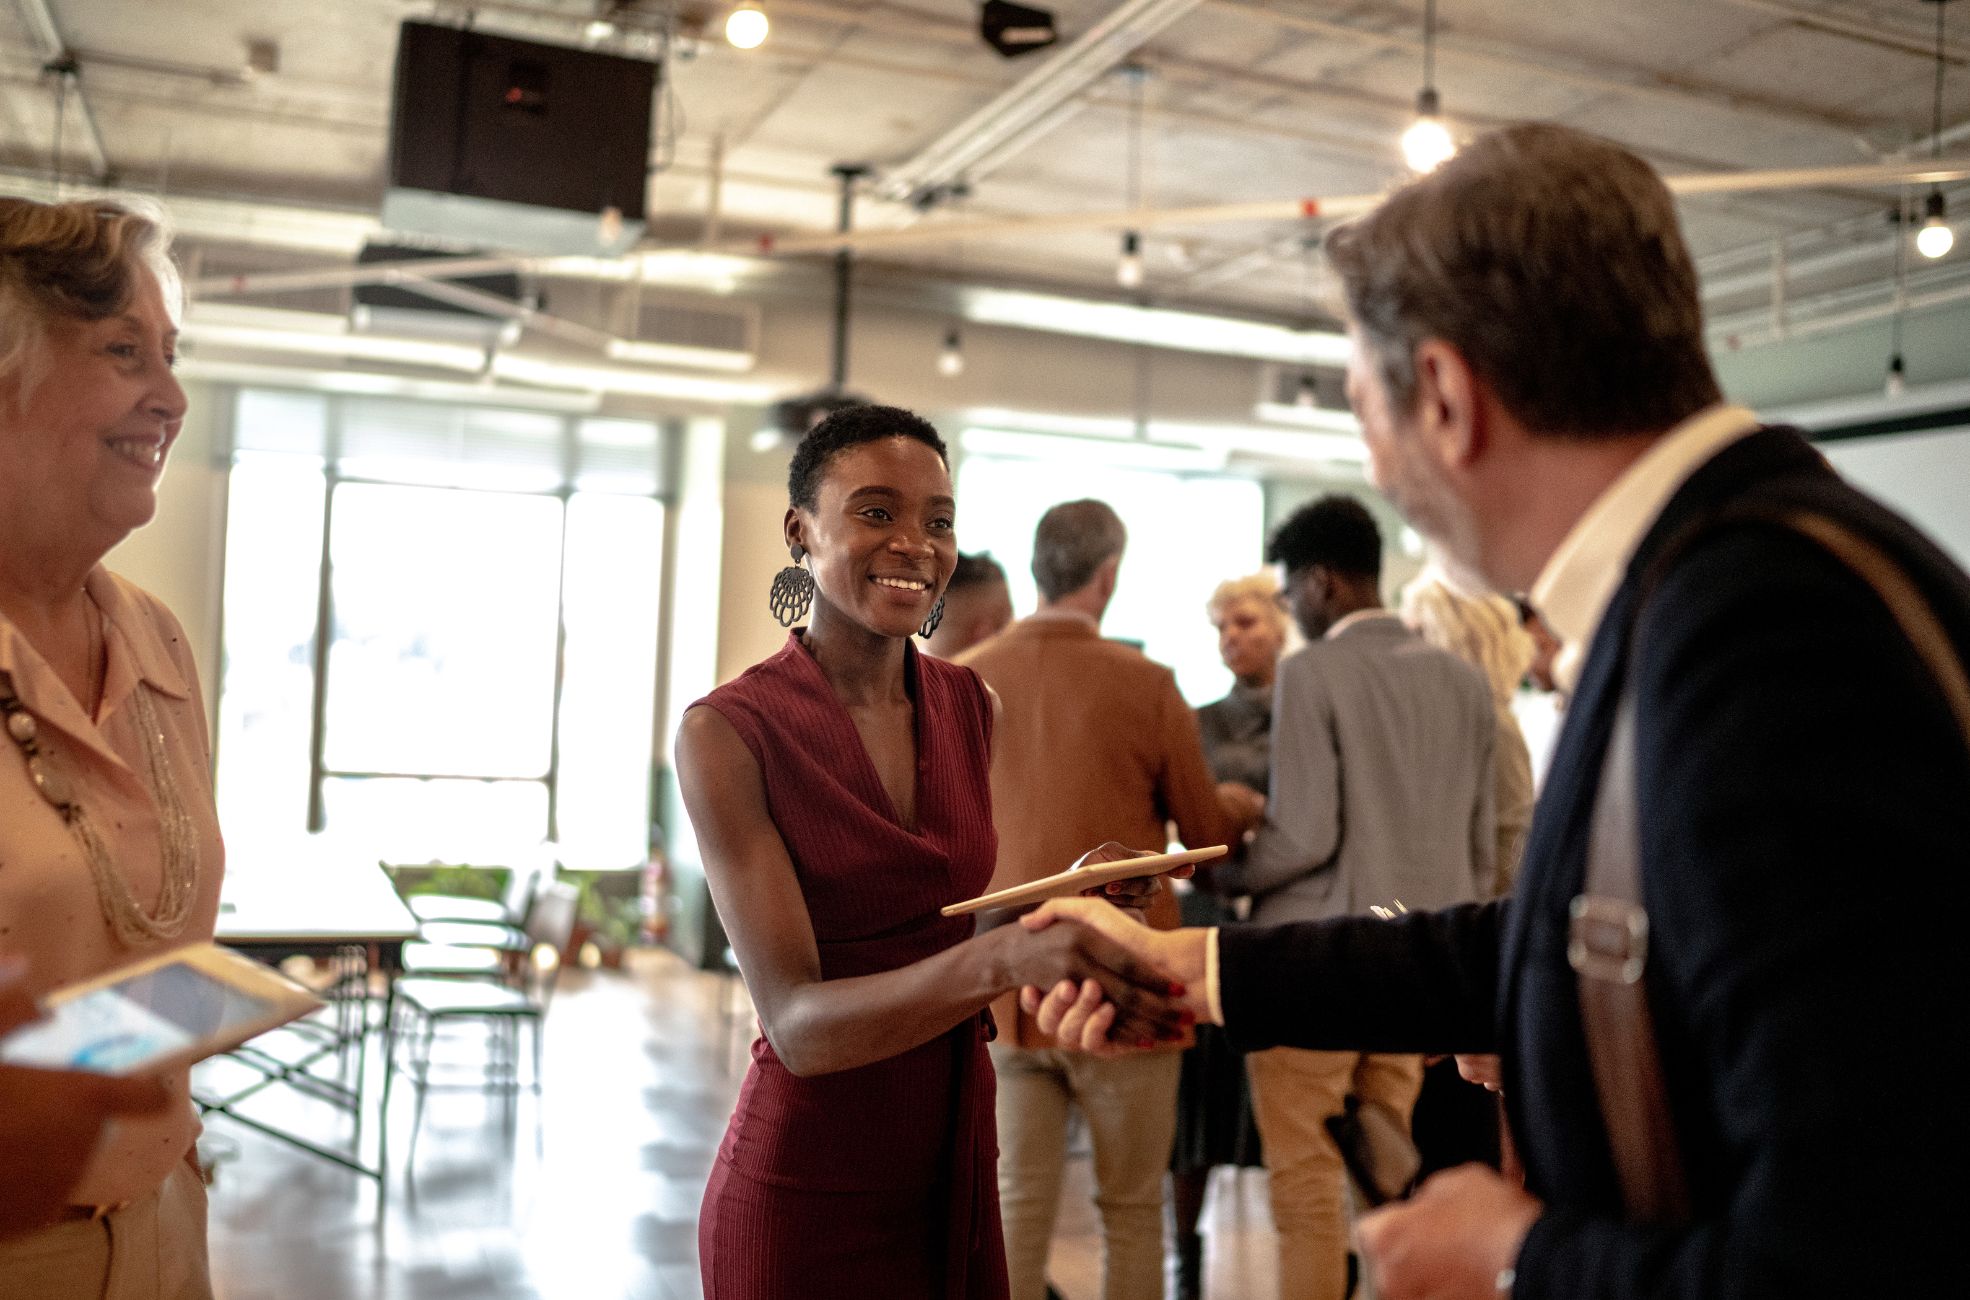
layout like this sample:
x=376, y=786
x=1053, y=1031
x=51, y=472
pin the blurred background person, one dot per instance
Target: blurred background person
x=977, y=605
x=1381, y=794
x=1094, y=743
x=1538, y=708
x=1214, y=1102
x=1484, y=632
x=111, y=838
x=1456, y=1122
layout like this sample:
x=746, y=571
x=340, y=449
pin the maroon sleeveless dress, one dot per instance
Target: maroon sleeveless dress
x=880, y=1181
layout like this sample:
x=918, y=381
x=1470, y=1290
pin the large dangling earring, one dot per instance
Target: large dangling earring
x=793, y=592
x=930, y=624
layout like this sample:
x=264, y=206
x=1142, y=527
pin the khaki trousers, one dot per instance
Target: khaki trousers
x=151, y=1249
x=1130, y=1104
x=1293, y=1093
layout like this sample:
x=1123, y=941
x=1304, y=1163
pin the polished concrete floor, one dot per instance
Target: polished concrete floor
x=589, y=1192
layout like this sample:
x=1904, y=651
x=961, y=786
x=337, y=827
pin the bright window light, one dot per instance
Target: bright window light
x=1187, y=533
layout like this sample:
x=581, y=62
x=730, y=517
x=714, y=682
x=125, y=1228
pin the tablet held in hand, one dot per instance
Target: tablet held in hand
x=1078, y=879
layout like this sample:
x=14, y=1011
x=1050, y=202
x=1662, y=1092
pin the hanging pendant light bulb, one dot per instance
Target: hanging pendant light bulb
x=1128, y=270
x=1935, y=238
x=746, y=27
x=1427, y=145
x=950, y=361
x=1897, y=379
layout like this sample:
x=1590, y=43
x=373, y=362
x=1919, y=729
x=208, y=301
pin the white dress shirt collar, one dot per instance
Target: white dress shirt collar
x=1574, y=588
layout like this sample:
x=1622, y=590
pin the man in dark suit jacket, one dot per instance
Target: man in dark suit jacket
x=1530, y=375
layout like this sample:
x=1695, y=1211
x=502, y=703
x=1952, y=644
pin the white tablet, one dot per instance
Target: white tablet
x=158, y=1014
x=1078, y=878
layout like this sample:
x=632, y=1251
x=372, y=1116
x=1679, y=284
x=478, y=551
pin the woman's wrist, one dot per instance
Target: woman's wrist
x=992, y=962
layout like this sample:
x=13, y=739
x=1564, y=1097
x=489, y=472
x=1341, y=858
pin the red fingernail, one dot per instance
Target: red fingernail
x=1176, y=990
x=1188, y=1019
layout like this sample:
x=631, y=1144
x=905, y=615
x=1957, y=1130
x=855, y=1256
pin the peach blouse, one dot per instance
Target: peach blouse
x=49, y=913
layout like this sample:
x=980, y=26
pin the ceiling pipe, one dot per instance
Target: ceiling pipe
x=1753, y=329
x=847, y=175
x=1871, y=249
x=58, y=58
x=1932, y=171
x=1022, y=112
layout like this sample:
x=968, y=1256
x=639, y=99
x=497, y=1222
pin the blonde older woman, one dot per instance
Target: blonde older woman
x=109, y=840
x=1214, y=1103
x=1484, y=631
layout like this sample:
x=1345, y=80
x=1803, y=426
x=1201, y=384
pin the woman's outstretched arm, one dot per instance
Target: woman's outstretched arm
x=819, y=1026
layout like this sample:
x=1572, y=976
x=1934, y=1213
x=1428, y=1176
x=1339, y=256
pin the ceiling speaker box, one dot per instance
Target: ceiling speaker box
x=517, y=144
x=1015, y=29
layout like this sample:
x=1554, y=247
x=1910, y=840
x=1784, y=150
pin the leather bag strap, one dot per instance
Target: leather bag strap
x=1608, y=936
x=1607, y=945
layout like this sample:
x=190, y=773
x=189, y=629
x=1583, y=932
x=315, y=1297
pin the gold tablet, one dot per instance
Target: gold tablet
x=1077, y=878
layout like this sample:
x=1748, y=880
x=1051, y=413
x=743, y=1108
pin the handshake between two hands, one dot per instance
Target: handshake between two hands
x=1120, y=985
x=1456, y=1238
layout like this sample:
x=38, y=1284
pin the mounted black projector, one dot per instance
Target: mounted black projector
x=471, y=310
x=1014, y=30
x=517, y=145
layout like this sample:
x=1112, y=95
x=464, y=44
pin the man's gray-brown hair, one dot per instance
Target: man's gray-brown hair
x=70, y=260
x=1553, y=262
x=1072, y=542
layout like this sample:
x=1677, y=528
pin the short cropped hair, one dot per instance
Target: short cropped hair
x=851, y=427
x=77, y=261
x=1261, y=587
x=1553, y=261
x=1335, y=532
x=1074, y=539
x=974, y=571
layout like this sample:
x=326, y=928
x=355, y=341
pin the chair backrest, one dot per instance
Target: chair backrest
x=522, y=879
x=550, y=924
x=551, y=920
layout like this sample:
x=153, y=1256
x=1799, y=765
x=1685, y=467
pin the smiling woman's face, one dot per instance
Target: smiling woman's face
x=81, y=450
x=882, y=537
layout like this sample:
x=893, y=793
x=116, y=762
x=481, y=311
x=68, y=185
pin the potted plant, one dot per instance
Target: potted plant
x=609, y=914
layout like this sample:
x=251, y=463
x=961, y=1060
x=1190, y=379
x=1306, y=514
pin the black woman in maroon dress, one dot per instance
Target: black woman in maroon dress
x=840, y=793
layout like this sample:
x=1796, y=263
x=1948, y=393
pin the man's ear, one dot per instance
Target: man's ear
x=791, y=530
x=1450, y=407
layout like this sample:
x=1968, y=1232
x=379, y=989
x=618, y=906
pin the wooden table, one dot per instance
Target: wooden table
x=319, y=908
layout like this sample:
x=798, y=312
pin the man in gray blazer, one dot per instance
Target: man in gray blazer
x=1381, y=795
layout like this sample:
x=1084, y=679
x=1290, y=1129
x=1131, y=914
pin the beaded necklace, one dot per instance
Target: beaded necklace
x=178, y=836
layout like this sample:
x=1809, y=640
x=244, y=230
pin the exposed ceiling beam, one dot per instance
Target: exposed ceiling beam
x=57, y=58
x=1868, y=31
x=932, y=233
x=1522, y=59
x=1034, y=104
